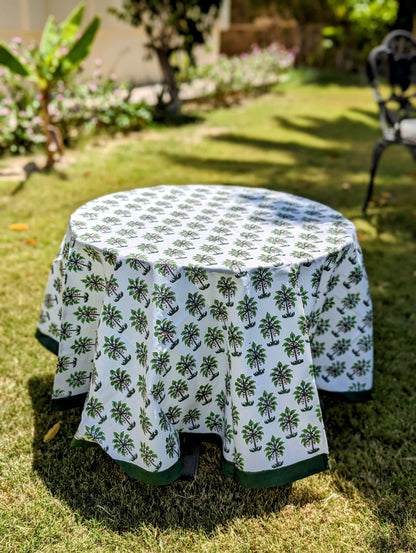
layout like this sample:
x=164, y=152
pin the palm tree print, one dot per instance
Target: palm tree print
x=161, y=362
x=214, y=339
x=334, y=370
x=122, y=414
x=178, y=390
x=121, y=381
x=304, y=395
x=135, y=262
x=158, y=391
x=173, y=415
x=270, y=329
x=364, y=345
x=339, y=348
x=310, y=437
x=146, y=425
x=204, y=394
x=71, y=296
x=355, y=276
x=139, y=290
x=197, y=276
x=214, y=422
x=285, y=300
x=282, y=375
x=195, y=305
x=209, y=367
x=252, y=434
x=172, y=446
x=165, y=331
x=219, y=311
x=86, y=314
x=95, y=433
x=294, y=346
x=316, y=280
x=82, y=345
x=360, y=368
x=267, y=405
x=227, y=287
x=222, y=400
x=111, y=287
x=113, y=318
x=274, y=450
x=149, y=457
x=245, y=388
x=115, y=349
x=349, y=302
x=191, y=418
x=123, y=443
x=94, y=408
x=190, y=335
x=186, y=366
x=289, y=421
x=164, y=297
x=256, y=357
x=247, y=309
x=238, y=460
x=262, y=280
x=141, y=354
x=235, y=339
x=139, y=322
x=94, y=283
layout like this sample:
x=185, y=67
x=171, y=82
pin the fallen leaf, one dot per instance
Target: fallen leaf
x=361, y=236
x=31, y=242
x=18, y=226
x=345, y=186
x=52, y=432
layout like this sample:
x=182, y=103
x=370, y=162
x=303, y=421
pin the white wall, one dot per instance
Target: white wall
x=120, y=46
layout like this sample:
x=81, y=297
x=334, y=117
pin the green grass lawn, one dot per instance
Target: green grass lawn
x=313, y=139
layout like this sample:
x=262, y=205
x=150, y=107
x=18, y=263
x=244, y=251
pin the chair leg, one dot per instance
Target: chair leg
x=378, y=150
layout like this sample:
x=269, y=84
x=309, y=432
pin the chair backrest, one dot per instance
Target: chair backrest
x=394, y=63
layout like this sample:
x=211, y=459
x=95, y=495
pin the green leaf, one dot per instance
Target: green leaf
x=12, y=62
x=79, y=51
x=70, y=27
x=49, y=40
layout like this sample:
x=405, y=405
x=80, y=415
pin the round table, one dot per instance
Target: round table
x=208, y=309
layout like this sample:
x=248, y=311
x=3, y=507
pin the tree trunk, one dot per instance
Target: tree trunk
x=50, y=146
x=169, y=75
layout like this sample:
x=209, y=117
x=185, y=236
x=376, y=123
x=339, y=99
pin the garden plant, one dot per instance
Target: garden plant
x=61, y=50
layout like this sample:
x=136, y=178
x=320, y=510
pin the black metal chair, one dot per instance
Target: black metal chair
x=392, y=67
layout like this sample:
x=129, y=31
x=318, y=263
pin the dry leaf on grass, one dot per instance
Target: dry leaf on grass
x=18, y=226
x=52, y=432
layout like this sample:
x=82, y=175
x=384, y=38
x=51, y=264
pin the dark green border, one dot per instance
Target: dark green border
x=62, y=404
x=352, y=397
x=156, y=478
x=49, y=343
x=262, y=479
x=279, y=476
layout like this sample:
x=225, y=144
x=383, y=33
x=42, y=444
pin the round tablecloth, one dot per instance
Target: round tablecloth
x=208, y=309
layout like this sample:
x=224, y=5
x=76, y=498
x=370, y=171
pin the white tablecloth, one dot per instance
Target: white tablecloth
x=208, y=309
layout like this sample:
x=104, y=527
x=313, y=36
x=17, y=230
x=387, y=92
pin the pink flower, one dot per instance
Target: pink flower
x=17, y=40
x=63, y=51
x=113, y=77
x=93, y=87
x=59, y=97
x=4, y=111
x=97, y=72
x=98, y=61
x=1, y=72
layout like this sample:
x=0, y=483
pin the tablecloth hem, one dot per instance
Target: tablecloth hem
x=161, y=478
x=64, y=403
x=279, y=476
x=352, y=397
x=49, y=343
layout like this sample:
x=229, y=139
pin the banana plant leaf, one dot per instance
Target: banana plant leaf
x=78, y=52
x=70, y=27
x=7, y=59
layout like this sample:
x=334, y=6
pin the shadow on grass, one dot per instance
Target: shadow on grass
x=91, y=483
